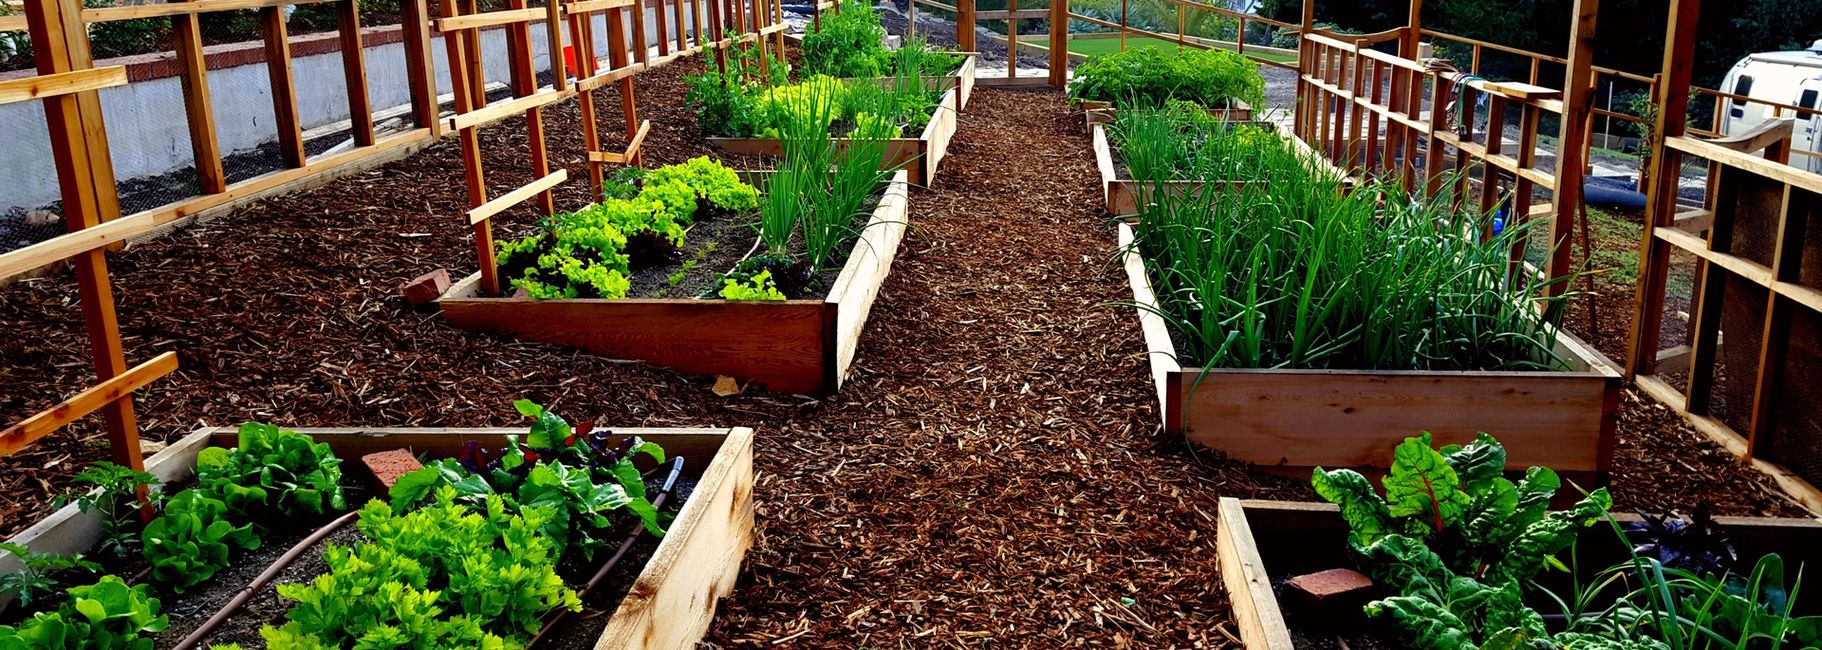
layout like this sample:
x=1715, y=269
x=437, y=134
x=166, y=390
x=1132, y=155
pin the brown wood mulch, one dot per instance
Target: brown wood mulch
x=991, y=474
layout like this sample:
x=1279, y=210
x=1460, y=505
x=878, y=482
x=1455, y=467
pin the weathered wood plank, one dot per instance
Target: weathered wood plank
x=16, y=437
x=61, y=83
x=524, y=193
x=853, y=292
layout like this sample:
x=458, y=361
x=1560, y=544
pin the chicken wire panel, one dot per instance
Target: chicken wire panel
x=1806, y=212
x=1742, y=337
x=31, y=208
x=1674, y=332
x=246, y=120
x=1794, y=438
x=149, y=142
x=1749, y=205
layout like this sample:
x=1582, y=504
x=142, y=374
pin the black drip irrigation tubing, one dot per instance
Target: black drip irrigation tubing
x=258, y=583
x=278, y=566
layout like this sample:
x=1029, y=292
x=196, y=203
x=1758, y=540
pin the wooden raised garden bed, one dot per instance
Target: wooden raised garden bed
x=1262, y=543
x=790, y=346
x=669, y=606
x=1099, y=112
x=917, y=156
x=1296, y=420
x=1121, y=195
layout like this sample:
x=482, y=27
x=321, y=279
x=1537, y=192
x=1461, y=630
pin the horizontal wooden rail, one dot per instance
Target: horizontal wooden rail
x=491, y=19
x=632, y=148
x=1191, y=4
x=1022, y=14
x=62, y=83
x=1494, y=46
x=608, y=76
x=496, y=112
x=1770, y=169
x=592, y=6
x=132, y=12
x=16, y=437
x=13, y=23
x=508, y=200
x=928, y=3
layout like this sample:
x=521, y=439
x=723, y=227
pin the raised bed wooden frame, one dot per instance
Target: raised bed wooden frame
x=791, y=346
x=1121, y=196
x=917, y=156
x=668, y=608
x=1296, y=420
x=1297, y=536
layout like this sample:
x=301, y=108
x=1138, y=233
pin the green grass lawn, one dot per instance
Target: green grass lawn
x=1093, y=46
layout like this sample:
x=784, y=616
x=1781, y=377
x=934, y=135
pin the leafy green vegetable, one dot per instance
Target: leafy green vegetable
x=851, y=44
x=107, y=615
x=444, y=576
x=1147, y=76
x=1457, y=499
x=273, y=477
x=191, y=541
x=113, y=493
x=756, y=287
x=40, y=573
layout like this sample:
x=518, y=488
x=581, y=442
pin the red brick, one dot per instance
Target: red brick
x=388, y=466
x=426, y=288
x=1332, y=586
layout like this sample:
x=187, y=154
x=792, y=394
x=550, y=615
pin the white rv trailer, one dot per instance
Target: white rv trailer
x=1793, y=78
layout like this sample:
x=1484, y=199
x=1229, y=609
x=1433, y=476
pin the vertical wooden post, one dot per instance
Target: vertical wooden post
x=354, y=72
x=193, y=70
x=525, y=82
x=1059, y=43
x=639, y=42
x=582, y=33
x=778, y=19
x=663, y=34
x=1786, y=264
x=284, y=91
x=1012, y=39
x=616, y=57
x=717, y=34
x=85, y=180
x=1666, y=164
x=964, y=25
x=683, y=28
x=1306, y=63
x=1571, y=155
x=477, y=70
x=553, y=30
x=464, y=89
x=420, y=73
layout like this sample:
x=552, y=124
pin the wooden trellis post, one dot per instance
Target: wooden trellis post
x=1572, y=156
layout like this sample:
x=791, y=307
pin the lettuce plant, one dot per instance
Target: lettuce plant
x=756, y=287
x=273, y=475
x=107, y=615
x=191, y=541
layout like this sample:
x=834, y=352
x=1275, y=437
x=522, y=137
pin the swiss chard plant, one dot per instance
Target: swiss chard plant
x=192, y=540
x=1455, y=541
x=579, y=473
x=111, y=492
x=107, y=615
x=273, y=476
x=446, y=575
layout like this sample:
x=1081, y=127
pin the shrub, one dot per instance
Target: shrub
x=851, y=44
x=1153, y=76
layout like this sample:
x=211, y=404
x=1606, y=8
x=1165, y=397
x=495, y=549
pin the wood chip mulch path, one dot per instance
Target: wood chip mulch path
x=990, y=474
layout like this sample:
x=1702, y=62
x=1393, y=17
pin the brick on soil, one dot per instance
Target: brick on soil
x=990, y=474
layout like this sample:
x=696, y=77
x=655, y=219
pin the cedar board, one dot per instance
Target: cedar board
x=1293, y=421
x=673, y=600
x=793, y=346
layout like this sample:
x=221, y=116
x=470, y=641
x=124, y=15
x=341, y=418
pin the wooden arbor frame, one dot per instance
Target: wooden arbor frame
x=68, y=87
x=1756, y=267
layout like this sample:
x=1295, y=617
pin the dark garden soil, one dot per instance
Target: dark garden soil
x=991, y=473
